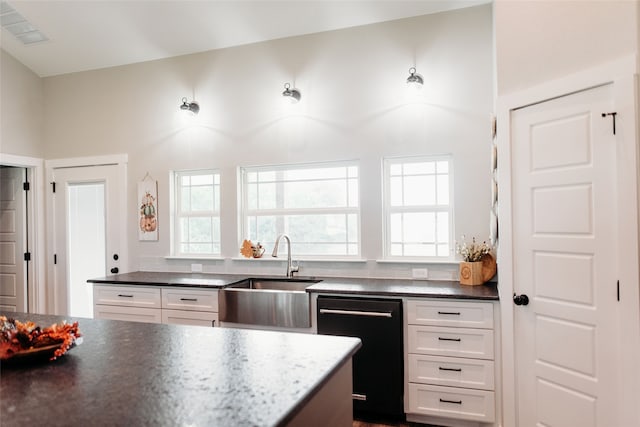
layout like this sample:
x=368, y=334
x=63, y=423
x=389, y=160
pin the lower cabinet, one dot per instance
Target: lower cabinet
x=450, y=362
x=457, y=403
x=154, y=304
x=133, y=314
x=195, y=318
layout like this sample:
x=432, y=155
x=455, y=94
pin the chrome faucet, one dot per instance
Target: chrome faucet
x=290, y=267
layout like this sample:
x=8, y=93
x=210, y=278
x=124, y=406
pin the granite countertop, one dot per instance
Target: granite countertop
x=333, y=285
x=157, y=278
x=406, y=288
x=128, y=373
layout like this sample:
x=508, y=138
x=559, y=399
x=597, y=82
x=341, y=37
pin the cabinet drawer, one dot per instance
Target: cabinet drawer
x=133, y=314
x=460, y=342
x=190, y=299
x=195, y=318
x=474, y=405
x=127, y=296
x=450, y=313
x=451, y=371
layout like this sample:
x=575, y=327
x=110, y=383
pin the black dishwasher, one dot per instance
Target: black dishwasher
x=378, y=365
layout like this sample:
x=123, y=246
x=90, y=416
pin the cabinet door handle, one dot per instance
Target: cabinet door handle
x=450, y=369
x=450, y=313
x=355, y=313
x=357, y=396
x=457, y=402
x=449, y=339
x=125, y=296
x=189, y=299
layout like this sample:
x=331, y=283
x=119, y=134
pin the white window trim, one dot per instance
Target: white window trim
x=387, y=210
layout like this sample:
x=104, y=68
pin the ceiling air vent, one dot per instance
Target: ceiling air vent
x=17, y=25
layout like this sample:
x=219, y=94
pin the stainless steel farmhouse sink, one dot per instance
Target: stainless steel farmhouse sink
x=267, y=302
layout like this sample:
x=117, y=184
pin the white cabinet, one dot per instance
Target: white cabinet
x=194, y=318
x=190, y=306
x=133, y=314
x=449, y=364
x=154, y=304
x=127, y=296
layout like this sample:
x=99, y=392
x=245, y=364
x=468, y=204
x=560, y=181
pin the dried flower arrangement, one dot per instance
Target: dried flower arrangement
x=472, y=252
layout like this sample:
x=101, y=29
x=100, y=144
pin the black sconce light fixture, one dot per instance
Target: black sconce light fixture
x=191, y=107
x=414, y=78
x=293, y=95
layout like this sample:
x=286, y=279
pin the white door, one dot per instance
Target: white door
x=13, y=283
x=89, y=219
x=564, y=212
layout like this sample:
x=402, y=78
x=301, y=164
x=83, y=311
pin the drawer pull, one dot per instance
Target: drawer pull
x=189, y=299
x=355, y=313
x=357, y=396
x=450, y=313
x=125, y=296
x=450, y=369
x=449, y=339
x=457, y=402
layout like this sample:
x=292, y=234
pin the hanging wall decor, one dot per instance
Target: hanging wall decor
x=148, y=199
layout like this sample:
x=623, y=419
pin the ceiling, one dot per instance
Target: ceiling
x=91, y=34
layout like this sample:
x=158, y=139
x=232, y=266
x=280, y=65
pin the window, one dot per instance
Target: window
x=197, y=213
x=418, y=207
x=317, y=205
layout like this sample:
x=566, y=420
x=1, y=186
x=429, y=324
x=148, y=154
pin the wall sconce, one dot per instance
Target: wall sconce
x=191, y=107
x=414, y=79
x=293, y=95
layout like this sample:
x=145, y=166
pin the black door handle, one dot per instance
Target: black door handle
x=115, y=270
x=520, y=299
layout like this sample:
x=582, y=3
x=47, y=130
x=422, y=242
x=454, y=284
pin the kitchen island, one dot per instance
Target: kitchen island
x=129, y=373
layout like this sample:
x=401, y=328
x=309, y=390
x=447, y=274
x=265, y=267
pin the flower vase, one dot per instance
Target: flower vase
x=471, y=273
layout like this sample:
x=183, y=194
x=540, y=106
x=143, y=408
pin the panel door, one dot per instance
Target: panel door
x=564, y=211
x=89, y=219
x=13, y=283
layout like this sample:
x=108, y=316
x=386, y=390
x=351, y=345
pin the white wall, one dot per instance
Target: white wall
x=541, y=40
x=353, y=107
x=21, y=109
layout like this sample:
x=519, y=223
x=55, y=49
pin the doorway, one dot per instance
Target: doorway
x=565, y=251
x=14, y=243
x=89, y=231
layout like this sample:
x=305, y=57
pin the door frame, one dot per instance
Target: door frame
x=35, y=220
x=119, y=160
x=623, y=74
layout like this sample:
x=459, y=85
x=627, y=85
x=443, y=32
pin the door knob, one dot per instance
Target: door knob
x=115, y=270
x=520, y=299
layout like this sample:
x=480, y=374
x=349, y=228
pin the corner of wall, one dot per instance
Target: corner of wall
x=21, y=126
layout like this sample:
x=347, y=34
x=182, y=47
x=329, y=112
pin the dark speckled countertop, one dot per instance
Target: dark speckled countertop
x=135, y=374
x=328, y=285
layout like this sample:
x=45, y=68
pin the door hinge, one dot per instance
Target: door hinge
x=53, y=185
x=27, y=256
x=55, y=258
x=613, y=116
x=618, y=290
x=26, y=186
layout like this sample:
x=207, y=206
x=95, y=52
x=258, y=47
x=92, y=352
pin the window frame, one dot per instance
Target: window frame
x=388, y=209
x=244, y=212
x=177, y=213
